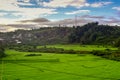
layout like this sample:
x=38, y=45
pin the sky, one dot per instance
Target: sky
x=27, y=14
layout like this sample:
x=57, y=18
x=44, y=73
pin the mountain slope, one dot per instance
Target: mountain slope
x=91, y=33
x=53, y=35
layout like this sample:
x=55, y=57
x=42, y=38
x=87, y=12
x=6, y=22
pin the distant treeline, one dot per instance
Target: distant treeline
x=112, y=55
x=45, y=49
x=90, y=33
x=108, y=54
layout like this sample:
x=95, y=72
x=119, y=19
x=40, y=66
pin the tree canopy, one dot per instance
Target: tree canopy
x=2, y=54
x=92, y=33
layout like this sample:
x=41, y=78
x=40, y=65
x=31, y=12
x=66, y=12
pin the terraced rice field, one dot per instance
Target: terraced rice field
x=17, y=66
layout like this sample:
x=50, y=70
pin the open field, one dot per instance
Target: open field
x=82, y=47
x=17, y=66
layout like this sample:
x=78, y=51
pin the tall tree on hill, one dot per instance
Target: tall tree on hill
x=77, y=35
x=2, y=54
x=117, y=43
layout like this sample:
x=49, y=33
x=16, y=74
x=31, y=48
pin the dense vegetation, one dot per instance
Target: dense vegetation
x=107, y=52
x=91, y=33
x=49, y=35
x=2, y=54
x=112, y=55
x=117, y=43
x=45, y=49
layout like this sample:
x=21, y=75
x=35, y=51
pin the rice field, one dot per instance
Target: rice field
x=17, y=66
x=82, y=47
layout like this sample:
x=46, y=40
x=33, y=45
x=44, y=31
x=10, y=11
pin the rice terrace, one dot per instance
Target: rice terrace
x=18, y=66
x=59, y=40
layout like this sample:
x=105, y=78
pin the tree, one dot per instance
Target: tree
x=117, y=43
x=2, y=54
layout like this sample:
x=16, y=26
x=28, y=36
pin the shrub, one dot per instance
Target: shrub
x=33, y=55
x=2, y=54
x=107, y=49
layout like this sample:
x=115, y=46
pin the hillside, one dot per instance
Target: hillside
x=91, y=33
x=53, y=35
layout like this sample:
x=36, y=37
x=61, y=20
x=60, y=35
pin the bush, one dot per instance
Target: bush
x=33, y=55
x=2, y=54
x=113, y=55
x=107, y=49
x=101, y=53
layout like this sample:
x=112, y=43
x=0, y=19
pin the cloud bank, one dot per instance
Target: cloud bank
x=28, y=14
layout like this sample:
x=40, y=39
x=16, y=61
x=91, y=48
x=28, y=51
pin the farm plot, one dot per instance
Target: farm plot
x=82, y=47
x=16, y=66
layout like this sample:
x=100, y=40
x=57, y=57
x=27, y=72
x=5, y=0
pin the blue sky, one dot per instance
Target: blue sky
x=16, y=11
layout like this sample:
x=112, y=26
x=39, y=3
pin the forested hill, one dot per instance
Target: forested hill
x=49, y=35
x=91, y=33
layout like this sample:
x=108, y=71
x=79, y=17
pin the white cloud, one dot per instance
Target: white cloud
x=66, y=3
x=25, y=13
x=78, y=12
x=26, y=4
x=81, y=20
x=2, y=14
x=74, y=3
x=35, y=12
x=4, y=28
x=7, y=21
x=26, y=1
x=100, y=4
x=116, y=8
x=8, y=5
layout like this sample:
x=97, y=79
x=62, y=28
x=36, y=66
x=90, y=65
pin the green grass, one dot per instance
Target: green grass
x=82, y=47
x=16, y=66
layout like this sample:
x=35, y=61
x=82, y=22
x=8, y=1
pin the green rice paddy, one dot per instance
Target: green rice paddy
x=17, y=66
